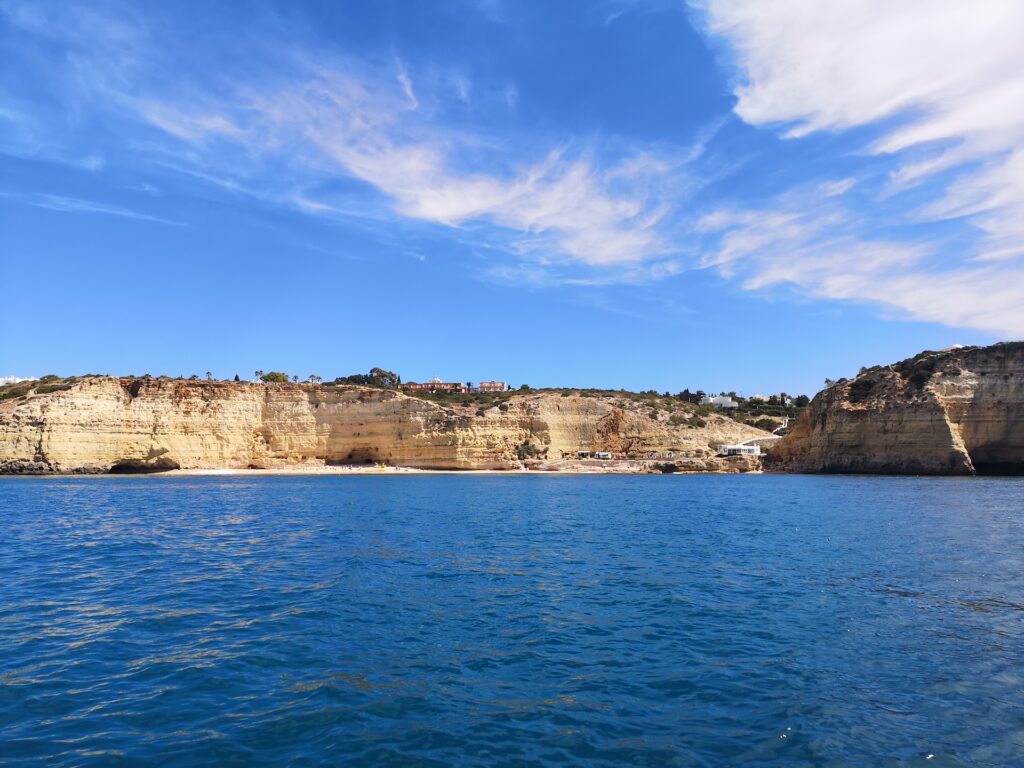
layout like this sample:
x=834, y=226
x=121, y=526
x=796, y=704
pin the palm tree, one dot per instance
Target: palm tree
x=209, y=376
x=259, y=374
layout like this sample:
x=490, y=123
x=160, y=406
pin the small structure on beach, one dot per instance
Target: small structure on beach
x=739, y=450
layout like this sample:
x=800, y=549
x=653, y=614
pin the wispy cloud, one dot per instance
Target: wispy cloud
x=323, y=117
x=836, y=188
x=77, y=205
x=560, y=203
x=406, y=83
x=317, y=117
x=952, y=74
x=939, y=84
x=942, y=81
x=463, y=88
x=825, y=253
x=511, y=95
x=194, y=127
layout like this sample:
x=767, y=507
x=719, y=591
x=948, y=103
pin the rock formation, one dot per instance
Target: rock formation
x=959, y=411
x=97, y=424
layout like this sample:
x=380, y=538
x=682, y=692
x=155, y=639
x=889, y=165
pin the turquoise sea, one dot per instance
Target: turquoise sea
x=512, y=620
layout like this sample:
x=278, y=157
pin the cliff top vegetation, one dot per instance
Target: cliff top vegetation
x=681, y=408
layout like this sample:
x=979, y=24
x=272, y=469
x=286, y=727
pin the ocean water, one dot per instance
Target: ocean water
x=491, y=620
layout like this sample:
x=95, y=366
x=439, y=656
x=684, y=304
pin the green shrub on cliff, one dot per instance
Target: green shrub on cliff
x=377, y=377
x=53, y=386
x=695, y=422
x=14, y=391
x=274, y=377
x=526, y=451
x=860, y=390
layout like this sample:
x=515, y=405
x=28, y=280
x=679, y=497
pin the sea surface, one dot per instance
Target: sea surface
x=509, y=620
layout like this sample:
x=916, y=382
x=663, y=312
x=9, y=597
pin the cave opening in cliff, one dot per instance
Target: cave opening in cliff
x=1000, y=468
x=1002, y=459
x=355, y=456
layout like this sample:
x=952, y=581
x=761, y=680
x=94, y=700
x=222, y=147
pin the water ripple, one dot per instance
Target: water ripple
x=776, y=621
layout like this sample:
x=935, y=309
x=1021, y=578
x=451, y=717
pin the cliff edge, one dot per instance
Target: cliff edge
x=955, y=412
x=102, y=424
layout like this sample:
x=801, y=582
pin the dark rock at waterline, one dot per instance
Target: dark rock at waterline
x=141, y=467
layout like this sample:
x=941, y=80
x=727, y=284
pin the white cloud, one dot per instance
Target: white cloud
x=848, y=62
x=836, y=188
x=190, y=127
x=823, y=253
x=318, y=119
x=406, y=83
x=943, y=83
x=558, y=204
x=943, y=80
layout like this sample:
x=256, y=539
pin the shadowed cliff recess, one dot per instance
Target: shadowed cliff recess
x=958, y=411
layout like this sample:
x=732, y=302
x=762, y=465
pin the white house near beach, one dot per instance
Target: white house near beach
x=722, y=401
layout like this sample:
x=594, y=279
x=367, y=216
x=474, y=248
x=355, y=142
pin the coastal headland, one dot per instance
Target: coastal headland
x=954, y=412
x=959, y=411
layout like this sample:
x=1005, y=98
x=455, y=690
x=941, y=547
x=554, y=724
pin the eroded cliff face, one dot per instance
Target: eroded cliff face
x=960, y=411
x=101, y=422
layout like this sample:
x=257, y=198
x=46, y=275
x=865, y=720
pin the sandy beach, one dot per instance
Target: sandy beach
x=576, y=468
x=324, y=470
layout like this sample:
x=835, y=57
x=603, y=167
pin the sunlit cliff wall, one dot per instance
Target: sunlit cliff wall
x=959, y=411
x=102, y=421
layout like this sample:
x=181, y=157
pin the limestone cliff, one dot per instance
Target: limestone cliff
x=959, y=411
x=97, y=423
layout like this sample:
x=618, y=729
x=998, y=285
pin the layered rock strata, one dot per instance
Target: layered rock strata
x=955, y=412
x=104, y=423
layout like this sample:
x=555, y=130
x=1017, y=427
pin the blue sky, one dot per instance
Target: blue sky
x=715, y=195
